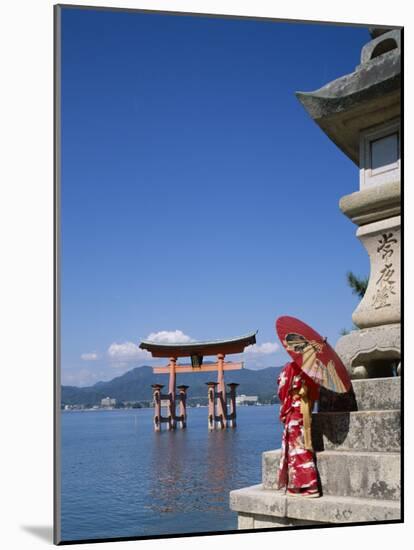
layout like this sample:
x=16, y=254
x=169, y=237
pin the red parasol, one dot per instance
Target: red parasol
x=313, y=354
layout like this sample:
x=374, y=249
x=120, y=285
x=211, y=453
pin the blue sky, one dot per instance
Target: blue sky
x=199, y=200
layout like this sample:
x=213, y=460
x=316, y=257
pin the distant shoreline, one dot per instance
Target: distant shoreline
x=117, y=409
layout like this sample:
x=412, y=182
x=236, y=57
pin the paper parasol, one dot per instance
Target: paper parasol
x=313, y=354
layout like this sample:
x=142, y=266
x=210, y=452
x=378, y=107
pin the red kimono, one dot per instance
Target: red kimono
x=297, y=470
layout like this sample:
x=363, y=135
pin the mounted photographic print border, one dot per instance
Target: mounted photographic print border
x=241, y=230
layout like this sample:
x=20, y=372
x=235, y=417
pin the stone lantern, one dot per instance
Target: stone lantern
x=360, y=112
x=356, y=436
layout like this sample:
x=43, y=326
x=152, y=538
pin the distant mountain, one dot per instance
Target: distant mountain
x=135, y=385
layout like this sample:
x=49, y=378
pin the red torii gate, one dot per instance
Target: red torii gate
x=197, y=351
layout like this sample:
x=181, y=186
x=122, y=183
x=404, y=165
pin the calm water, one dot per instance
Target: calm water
x=120, y=479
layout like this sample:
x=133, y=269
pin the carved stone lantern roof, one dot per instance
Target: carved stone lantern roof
x=368, y=96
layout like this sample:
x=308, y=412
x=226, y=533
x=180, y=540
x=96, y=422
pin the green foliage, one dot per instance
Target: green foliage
x=358, y=285
x=345, y=331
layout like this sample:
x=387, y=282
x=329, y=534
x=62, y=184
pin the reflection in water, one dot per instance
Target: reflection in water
x=191, y=473
x=219, y=464
x=169, y=483
x=120, y=478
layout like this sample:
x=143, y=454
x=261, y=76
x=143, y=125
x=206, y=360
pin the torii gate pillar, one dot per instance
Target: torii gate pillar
x=171, y=393
x=221, y=389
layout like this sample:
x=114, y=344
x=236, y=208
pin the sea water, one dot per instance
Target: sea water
x=119, y=478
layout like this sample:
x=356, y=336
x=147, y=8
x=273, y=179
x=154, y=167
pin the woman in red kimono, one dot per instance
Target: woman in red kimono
x=297, y=471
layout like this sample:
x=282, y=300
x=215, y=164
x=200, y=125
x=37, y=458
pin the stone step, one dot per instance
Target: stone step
x=272, y=506
x=367, y=395
x=347, y=473
x=357, y=431
x=378, y=393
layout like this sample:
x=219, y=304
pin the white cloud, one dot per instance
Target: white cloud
x=89, y=356
x=120, y=354
x=127, y=351
x=169, y=337
x=263, y=349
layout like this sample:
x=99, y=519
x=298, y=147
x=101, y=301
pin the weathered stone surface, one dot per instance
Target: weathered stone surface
x=360, y=474
x=331, y=401
x=258, y=501
x=374, y=348
x=358, y=431
x=334, y=509
x=255, y=500
x=367, y=394
x=270, y=465
x=378, y=393
x=245, y=521
x=381, y=304
x=391, y=37
x=347, y=473
x=266, y=522
x=373, y=203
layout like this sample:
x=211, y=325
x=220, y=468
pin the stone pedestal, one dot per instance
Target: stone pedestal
x=358, y=461
x=371, y=352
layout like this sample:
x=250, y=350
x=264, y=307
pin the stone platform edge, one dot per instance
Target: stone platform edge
x=256, y=501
